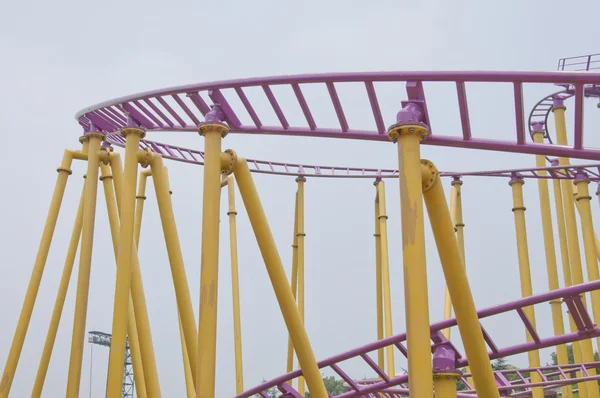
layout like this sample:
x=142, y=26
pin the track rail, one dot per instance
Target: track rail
x=571, y=296
x=193, y=156
x=183, y=108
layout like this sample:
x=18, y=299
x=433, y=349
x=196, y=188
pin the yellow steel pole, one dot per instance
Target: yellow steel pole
x=294, y=281
x=140, y=198
x=587, y=227
x=378, y=280
x=276, y=272
x=447, y=301
x=525, y=272
x=59, y=303
x=190, y=388
x=138, y=297
x=16, y=347
x=85, y=264
x=211, y=204
x=549, y=249
x=457, y=282
x=300, y=252
x=596, y=240
x=385, y=272
x=134, y=341
x=445, y=384
x=566, y=266
x=235, y=287
x=587, y=353
x=132, y=135
x=413, y=250
x=182, y=292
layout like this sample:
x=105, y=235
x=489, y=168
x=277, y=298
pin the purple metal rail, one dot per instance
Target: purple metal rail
x=580, y=63
x=570, y=295
x=194, y=156
x=181, y=108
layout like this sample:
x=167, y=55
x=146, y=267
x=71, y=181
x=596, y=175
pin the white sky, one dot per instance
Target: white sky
x=58, y=57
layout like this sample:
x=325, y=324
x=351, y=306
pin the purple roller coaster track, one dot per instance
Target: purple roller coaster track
x=184, y=108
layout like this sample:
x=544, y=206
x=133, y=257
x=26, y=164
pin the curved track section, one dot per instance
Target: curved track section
x=571, y=296
x=183, y=108
x=196, y=157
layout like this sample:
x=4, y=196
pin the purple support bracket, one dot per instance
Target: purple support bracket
x=444, y=359
x=416, y=94
x=215, y=115
x=538, y=125
x=219, y=100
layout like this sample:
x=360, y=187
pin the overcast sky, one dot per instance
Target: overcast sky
x=58, y=57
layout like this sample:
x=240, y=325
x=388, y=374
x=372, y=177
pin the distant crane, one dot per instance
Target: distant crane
x=104, y=339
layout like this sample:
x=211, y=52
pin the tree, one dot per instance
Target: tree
x=498, y=364
x=571, y=359
x=332, y=385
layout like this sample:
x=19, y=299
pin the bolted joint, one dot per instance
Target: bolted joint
x=104, y=155
x=447, y=375
x=64, y=170
x=444, y=359
x=399, y=129
x=456, y=181
x=429, y=175
x=538, y=127
x=228, y=161
x=300, y=178
x=581, y=176
x=91, y=134
x=125, y=131
x=516, y=180
x=220, y=128
x=106, y=177
x=558, y=103
x=145, y=157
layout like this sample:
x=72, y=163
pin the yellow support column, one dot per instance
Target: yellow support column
x=457, y=282
x=182, y=292
x=549, y=249
x=420, y=374
x=207, y=329
x=190, y=388
x=300, y=262
x=137, y=295
x=378, y=280
x=140, y=198
x=132, y=135
x=447, y=301
x=587, y=354
x=284, y=295
x=85, y=264
x=587, y=227
x=525, y=272
x=294, y=282
x=16, y=347
x=59, y=303
x=385, y=272
x=113, y=220
x=235, y=287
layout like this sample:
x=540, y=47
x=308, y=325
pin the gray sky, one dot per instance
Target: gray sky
x=61, y=56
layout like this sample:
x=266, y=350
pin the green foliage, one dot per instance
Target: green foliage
x=332, y=385
x=498, y=364
x=571, y=358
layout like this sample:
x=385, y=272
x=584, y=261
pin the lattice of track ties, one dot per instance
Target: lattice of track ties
x=571, y=296
x=183, y=108
x=195, y=156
